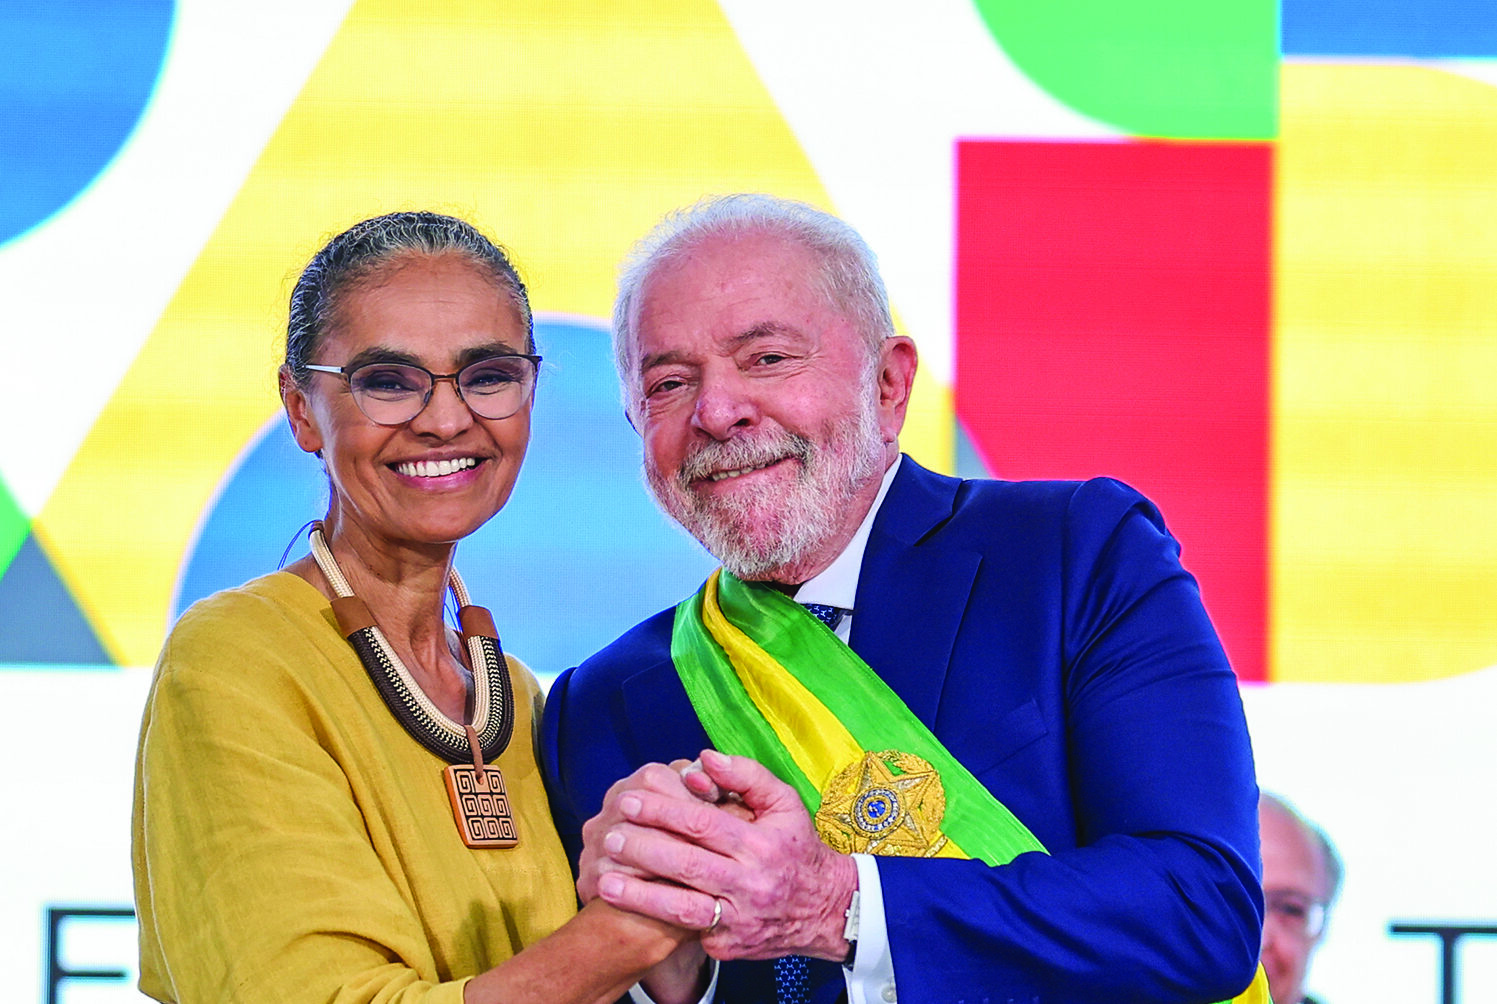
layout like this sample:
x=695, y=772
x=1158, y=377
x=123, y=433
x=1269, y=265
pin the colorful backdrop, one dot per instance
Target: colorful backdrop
x=1242, y=255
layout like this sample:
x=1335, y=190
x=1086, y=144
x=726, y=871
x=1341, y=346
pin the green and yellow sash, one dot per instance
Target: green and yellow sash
x=770, y=681
x=764, y=677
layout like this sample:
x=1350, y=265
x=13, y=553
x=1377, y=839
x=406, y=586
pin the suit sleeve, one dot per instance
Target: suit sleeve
x=1157, y=897
x=564, y=810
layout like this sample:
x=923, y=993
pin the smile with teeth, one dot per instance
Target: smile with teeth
x=435, y=468
x=740, y=472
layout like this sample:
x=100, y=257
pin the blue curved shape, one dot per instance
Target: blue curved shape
x=578, y=555
x=75, y=79
x=1425, y=29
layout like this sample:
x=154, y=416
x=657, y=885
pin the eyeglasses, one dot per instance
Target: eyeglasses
x=1295, y=913
x=387, y=393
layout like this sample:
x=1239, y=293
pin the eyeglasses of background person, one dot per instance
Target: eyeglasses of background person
x=1295, y=913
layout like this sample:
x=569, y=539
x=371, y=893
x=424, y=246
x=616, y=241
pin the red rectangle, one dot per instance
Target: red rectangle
x=1113, y=317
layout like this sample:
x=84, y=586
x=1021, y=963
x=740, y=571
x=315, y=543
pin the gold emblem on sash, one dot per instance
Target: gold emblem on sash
x=886, y=803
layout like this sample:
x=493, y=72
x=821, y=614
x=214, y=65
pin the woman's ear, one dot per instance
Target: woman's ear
x=299, y=413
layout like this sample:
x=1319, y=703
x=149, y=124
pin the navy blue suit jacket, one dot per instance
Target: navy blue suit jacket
x=1047, y=634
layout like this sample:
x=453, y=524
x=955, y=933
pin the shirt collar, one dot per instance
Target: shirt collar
x=837, y=584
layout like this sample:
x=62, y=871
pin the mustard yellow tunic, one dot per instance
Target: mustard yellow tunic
x=291, y=842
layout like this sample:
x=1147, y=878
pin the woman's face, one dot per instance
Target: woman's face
x=439, y=312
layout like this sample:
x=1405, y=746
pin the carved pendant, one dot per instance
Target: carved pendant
x=480, y=806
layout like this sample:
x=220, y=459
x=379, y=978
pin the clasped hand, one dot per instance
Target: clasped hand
x=729, y=840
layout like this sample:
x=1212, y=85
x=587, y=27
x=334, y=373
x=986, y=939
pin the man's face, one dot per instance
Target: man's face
x=1296, y=890
x=765, y=430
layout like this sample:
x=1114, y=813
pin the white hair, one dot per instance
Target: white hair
x=849, y=277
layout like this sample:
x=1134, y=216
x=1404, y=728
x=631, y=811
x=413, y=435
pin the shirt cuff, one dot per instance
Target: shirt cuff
x=871, y=979
x=638, y=996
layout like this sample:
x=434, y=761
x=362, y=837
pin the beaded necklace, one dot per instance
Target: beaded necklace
x=480, y=805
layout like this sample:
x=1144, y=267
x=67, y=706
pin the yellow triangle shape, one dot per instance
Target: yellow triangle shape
x=564, y=129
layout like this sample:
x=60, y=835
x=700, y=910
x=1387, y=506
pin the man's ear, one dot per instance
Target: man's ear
x=299, y=413
x=897, y=362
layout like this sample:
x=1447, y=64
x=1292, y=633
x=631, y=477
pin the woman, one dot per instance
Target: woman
x=293, y=835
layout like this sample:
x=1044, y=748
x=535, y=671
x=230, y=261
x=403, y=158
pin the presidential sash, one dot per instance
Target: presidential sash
x=770, y=681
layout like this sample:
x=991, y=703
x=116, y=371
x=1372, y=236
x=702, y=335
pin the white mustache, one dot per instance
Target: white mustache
x=740, y=452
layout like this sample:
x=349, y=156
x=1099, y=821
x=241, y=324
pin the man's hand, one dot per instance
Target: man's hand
x=594, y=862
x=782, y=891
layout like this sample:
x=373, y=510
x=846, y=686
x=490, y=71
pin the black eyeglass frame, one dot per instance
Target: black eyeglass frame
x=347, y=372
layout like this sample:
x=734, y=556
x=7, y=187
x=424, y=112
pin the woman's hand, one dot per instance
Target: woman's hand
x=595, y=957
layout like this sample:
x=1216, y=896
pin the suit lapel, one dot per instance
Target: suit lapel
x=913, y=589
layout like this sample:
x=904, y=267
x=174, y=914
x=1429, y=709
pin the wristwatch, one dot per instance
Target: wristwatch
x=850, y=932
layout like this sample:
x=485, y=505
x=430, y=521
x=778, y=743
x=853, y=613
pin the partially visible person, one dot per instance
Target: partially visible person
x=337, y=796
x=1301, y=878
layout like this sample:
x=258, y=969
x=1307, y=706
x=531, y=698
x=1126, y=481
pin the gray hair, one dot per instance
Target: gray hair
x=1334, y=869
x=849, y=277
x=361, y=251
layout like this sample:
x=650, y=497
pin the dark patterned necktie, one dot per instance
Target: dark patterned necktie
x=792, y=980
x=829, y=615
x=792, y=977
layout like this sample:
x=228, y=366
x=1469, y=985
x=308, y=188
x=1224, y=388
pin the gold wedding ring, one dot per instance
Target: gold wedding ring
x=717, y=915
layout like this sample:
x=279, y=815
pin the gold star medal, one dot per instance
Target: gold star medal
x=886, y=803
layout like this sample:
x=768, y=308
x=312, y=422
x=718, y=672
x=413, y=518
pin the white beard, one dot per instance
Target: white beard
x=757, y=530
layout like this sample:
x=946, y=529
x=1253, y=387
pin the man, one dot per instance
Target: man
x=1301, y=877
x=1025, y=669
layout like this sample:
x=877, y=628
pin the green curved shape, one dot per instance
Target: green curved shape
x=13, y=527
x=1157, y=68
